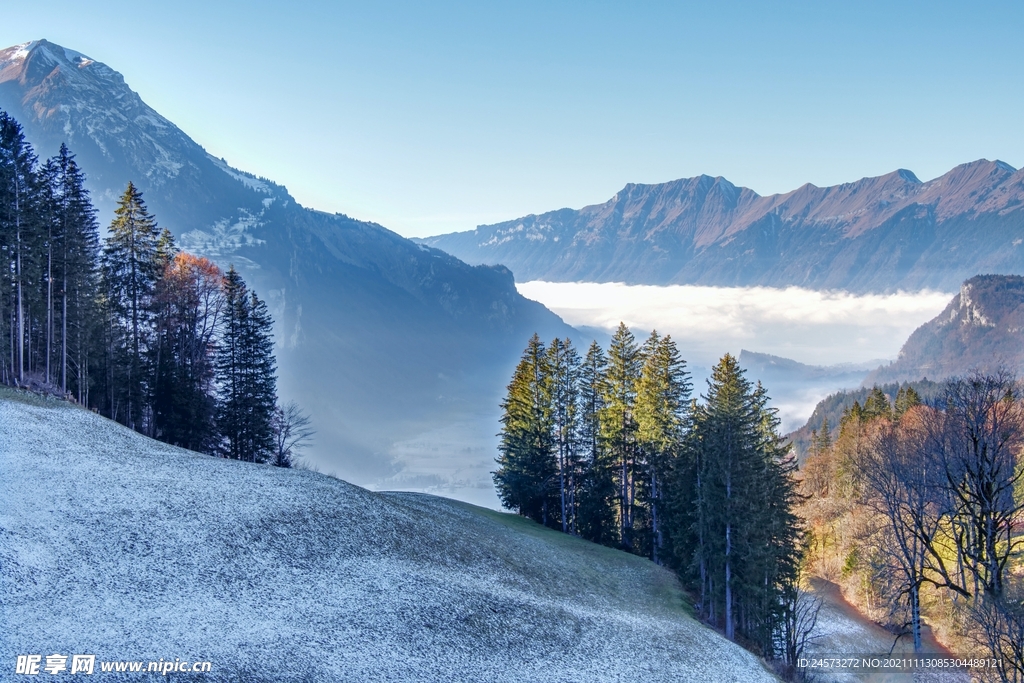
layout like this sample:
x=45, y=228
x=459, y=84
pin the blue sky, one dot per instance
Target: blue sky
x=433, y=117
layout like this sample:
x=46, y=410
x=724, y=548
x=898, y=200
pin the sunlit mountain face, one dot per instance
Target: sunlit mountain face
x=881, y=234
x=381, y=339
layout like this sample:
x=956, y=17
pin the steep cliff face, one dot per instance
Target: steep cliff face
x=982, y=328
x=876, y=234
x=378, y=337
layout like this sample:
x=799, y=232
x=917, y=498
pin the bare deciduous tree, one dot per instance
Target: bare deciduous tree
x=292, y=432
x=980, y=437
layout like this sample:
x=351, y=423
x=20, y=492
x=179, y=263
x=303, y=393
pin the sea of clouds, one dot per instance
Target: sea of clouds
x=813, y=327
x=858, y=332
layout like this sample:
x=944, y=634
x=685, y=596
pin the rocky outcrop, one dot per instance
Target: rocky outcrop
x=982, y=329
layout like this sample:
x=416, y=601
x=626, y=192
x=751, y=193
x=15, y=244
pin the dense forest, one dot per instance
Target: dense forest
x=610, y=446
x=830, y=410
x=157, y=339
x=913, y=503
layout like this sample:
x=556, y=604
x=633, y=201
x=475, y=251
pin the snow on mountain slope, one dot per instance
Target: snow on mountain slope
x=118, y=546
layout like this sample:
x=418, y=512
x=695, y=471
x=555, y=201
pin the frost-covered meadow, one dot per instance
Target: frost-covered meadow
x=122, y=547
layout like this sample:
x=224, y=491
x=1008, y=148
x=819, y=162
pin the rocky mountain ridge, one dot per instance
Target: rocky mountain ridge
x=876, y=234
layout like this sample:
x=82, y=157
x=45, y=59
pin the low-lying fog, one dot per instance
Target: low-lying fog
x=855, y=332
x=816, y=328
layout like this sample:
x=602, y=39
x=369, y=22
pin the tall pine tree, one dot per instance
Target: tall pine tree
x=246, y=374
x=21, y=243
x=72, y=275
x=564, y=366
x=745, y=545
x=597, y=487
x=663, y=397
x=618, y=425
x=527, y=466
x=130, y=272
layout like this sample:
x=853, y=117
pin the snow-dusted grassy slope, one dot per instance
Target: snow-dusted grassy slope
x=118, y=546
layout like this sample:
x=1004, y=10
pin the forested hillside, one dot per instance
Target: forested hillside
x=982, y=328
x=609, y=447
x=146, y=334
x=830, y=410
x=915, y=509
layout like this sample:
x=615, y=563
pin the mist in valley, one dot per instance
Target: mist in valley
x=835, y=339
x=841, y=335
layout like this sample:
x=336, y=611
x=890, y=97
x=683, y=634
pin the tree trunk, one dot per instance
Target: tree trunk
x=915, y=615
x=64, y=338
x=561, y=482
x=655, y=531
x=21, y=312
x=730, y=628
x=49, y=305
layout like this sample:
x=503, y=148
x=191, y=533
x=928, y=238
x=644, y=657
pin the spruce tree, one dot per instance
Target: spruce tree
x=527, y=466
x=876, y=405
x=663, y=397
x=246, y=374
x=230, y=364
x=745, y=531
x=821, y=438
x=72, y=273
x=597, y=487
x=130, y=271
x=564, y=368
x=618, y=425
x=906, y=398
x=261, y=371
x=20, y=242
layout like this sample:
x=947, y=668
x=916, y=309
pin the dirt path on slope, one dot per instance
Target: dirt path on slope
x=843, y=630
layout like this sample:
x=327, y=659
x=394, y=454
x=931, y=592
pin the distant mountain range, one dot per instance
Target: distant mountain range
x=981, y=329
x=876, y=234
x=380, y=338
x=766, y=367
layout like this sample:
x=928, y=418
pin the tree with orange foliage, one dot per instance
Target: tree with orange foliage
x=188, y=304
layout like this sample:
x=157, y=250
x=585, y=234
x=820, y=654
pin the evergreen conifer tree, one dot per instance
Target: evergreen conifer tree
x=527, y=466
x=663, y=396
x=597, y=487
x=20, y=242
x=130, y=271
x=876, y=405
x=261, y=369
x=564, y=367
x=72, y=273
x=246, y=374
x=906, y=398
x=618, y=425
x=821, y=439
x=746, y=533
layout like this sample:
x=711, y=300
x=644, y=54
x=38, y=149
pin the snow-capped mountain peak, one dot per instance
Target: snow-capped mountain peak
x=63, y=96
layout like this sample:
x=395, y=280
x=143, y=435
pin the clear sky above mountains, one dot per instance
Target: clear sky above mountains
x=430, y=117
